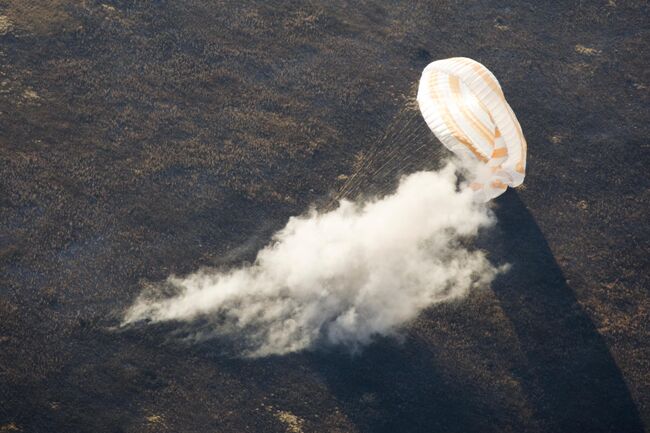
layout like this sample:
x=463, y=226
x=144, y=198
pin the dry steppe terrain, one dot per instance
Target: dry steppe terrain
x=144, y=138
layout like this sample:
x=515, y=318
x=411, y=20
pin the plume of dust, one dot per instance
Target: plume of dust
x=343, y=276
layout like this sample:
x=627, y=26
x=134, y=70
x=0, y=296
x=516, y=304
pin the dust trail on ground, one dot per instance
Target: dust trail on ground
x=347, y=274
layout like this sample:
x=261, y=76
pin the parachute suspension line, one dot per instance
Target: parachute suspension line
x=408, y=133
x=378, y=149
x=393, y=149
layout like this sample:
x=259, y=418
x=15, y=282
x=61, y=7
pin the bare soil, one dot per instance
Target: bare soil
x=144, y=138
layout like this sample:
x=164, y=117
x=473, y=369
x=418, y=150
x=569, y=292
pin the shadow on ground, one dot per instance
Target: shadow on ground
x=570, y=373
x=566, y=371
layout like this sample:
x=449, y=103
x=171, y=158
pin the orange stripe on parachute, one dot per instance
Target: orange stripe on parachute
x=454, y=84
x=449, y=121
x=497, y=90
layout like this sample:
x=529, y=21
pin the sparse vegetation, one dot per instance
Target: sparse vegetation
x=144, y=138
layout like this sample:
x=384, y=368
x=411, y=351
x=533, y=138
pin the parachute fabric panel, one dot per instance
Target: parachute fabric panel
x=464, y=106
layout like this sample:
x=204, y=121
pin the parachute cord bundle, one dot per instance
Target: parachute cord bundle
x=401, y=145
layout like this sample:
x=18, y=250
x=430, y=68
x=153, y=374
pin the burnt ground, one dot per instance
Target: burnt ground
x=143, y=138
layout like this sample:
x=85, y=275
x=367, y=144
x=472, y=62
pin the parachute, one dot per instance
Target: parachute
x=464, y=106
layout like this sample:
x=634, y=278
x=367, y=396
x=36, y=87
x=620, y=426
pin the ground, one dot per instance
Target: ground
x=143, y=138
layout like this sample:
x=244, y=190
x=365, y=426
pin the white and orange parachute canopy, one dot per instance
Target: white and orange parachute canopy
x=463, y=104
